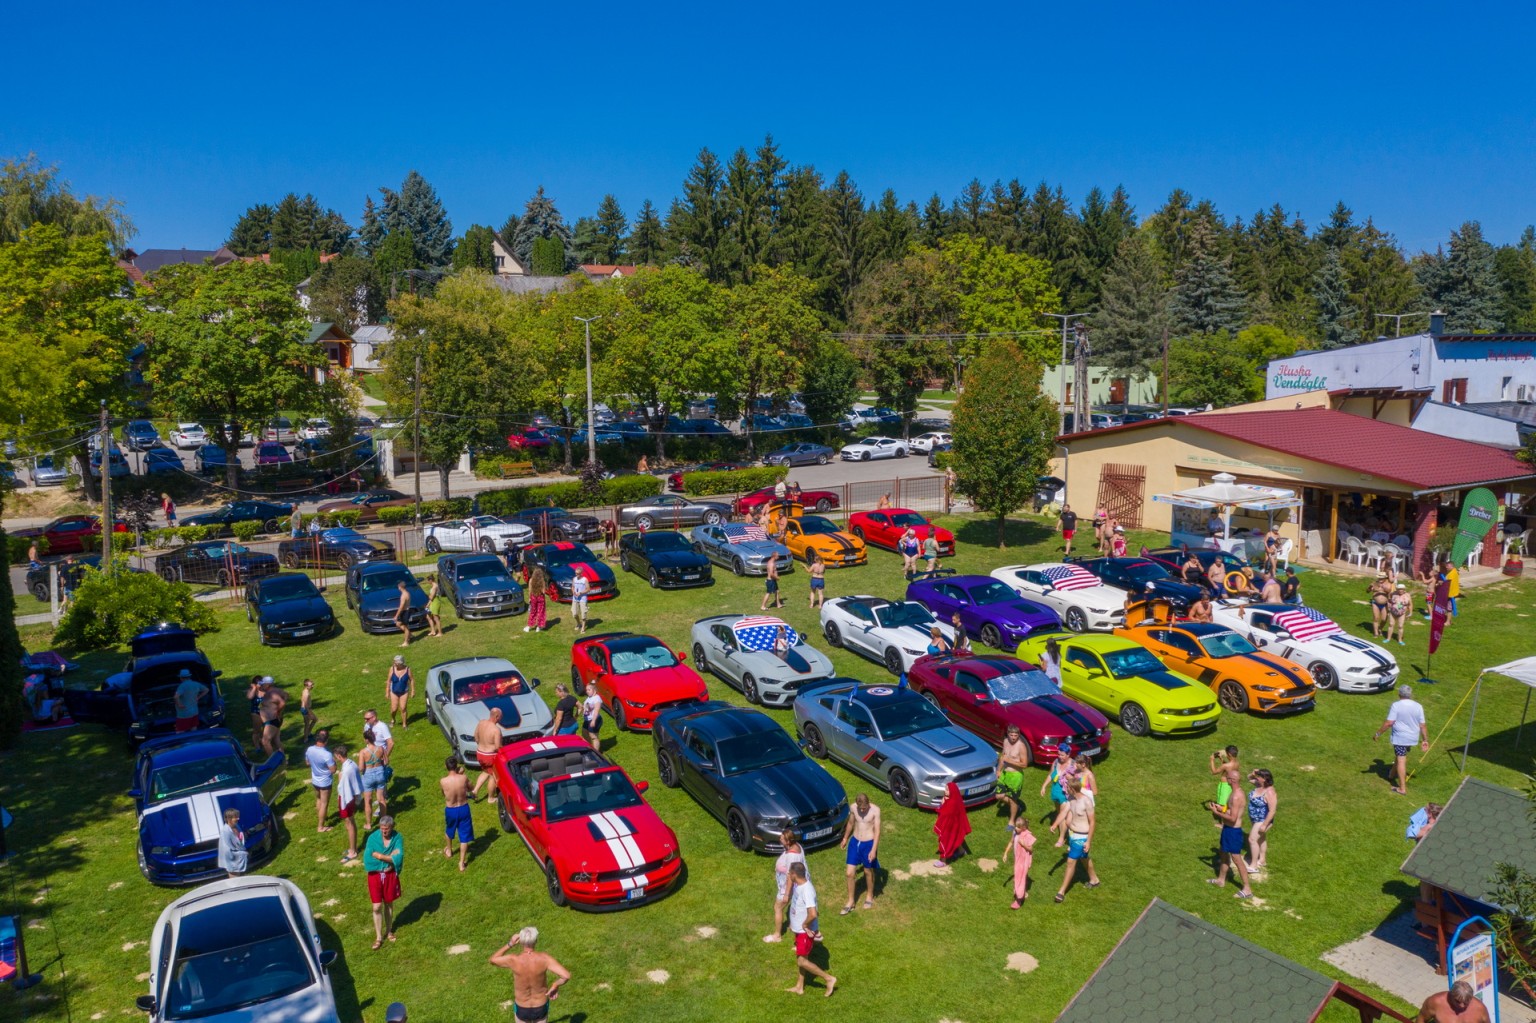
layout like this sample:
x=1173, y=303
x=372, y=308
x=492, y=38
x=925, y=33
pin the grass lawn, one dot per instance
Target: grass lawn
x=934, y=948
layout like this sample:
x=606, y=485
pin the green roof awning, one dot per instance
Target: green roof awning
x=1482, y=826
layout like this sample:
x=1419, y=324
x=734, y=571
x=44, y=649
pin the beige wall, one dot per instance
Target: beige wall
x=1397, y=411
x=1304, y=399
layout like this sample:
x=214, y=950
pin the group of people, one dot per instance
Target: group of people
x=1260, y=803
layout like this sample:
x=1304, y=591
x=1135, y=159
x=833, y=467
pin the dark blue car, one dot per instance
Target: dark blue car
x=1142, y=576
x=989, y=610
x=161, y=460
x=288, y=608
x=138, y=699
x=182, y=784
x=373, y=588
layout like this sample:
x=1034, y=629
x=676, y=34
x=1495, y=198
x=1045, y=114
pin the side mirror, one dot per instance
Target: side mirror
x=134, y=793
x=145, y=1003
x=328, y=957
x=863, y=730
x=682, y=655
x=535, y=683
x=983, y=698
x=442, y=698
x=642, y=786
x=218, y=673
x=531, y=811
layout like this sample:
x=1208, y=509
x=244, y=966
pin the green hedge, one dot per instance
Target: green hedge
x=348, y=517
x=943, y=459
x=619, y=490
x=192, y=534
x=398, y=516
x=122, y=543
x=453, y=508
x=629, y=489
x=733, y=481
x=19, y=544
x=245, y=531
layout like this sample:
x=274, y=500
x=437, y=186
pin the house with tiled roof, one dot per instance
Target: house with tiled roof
x=608, y=271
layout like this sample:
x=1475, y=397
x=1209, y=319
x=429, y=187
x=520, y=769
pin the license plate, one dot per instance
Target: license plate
x=1091, y=751
x=819, y=833
x=978, y=790
x=1203, y=723
x=1301, y=701
x=304, y=632
x=635, y=893
x=690, y=575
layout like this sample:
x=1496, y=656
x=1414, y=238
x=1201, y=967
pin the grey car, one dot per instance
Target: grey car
x=739, y=649
x=896, y=739
x=743, y=548
x=800, y=454
x=46, y=474
x=671, y=510
x=462, y=693
x=479, y=586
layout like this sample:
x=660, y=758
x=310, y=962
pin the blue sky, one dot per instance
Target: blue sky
x=1419, y=115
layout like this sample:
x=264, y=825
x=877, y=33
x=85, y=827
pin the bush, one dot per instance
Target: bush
x=162, y=537
x=515, y=499
x=734, y=481
x=348, y=517
x=629, y=489
x=19, y=545
x=943, y=459
x=192, y=534
x=122, y=543
x=397, y=516
x=110, y=608
x=245, y=531
x=453, y=508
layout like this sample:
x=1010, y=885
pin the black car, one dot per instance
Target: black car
x=666, y=558
x=333, y=548
x=479, y=586
x=140, y=698
x=1141, y=576
x=270, y=515
x=223, y=562
x=70, y=573
x=373, y=588
x=561, y=562
x=550, y=525
x=750, y=774
x=288, y=608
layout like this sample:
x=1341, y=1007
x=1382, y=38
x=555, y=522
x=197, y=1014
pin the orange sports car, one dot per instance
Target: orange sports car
x=808, y=534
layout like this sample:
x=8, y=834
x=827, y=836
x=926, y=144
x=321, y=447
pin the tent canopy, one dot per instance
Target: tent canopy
x=1226, y=493
x=1523, y=670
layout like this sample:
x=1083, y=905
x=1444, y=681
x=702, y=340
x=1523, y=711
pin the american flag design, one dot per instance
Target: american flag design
x=742, y=532
x=1305, y=623
x=1070, y=577
x=757, y=632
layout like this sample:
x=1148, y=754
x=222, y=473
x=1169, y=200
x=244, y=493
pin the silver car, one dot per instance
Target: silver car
x=741, y=547
x=46, y=474
x=239, y=950
x=668, y=511
x=896, y=739
x=740, y=650
x=462, y=693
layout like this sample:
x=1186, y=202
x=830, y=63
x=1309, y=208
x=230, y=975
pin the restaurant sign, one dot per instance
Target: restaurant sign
x=1297, y=378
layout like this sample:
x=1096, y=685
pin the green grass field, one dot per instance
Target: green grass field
x=934, y=948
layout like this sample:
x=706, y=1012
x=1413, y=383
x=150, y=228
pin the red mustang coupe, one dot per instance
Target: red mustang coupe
x=70, y=534
x=529, y=439
x=637, y=677
x=821, y=500
x=586, y=823
x=985, y=695
x=885, y=527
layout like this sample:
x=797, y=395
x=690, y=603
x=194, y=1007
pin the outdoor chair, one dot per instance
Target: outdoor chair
x=1354, y=550
x=1283, y=558
x=1475, y=553
x=1373, y=553
x=1404, y=541
x=1520, y=540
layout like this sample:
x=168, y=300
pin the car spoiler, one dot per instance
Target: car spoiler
x=827, y=683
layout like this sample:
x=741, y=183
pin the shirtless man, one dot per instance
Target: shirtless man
x=861, y=837
x=531, y=989
x=274, y=701
x=456, y=819
x=1454, y=1006
x=1269, y=593
x=1228, y=770
x=1079, y=822
x=487, y=745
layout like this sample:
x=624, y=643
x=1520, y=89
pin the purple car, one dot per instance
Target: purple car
x=990, y=610
x=269, y=452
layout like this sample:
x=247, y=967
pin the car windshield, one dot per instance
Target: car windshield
x=483, y=521
x=234, y=955
x=894, y=616
x=558, y=556
x=1131, y=662
x=177, y=780
x=1145, y=572
x=486, y=570
x=902, y=717
x=287, y=588
x=224, y=550
x=639, y=654
x=755, y=752
x=993, y=592
x=816, y=524
x=342, y=534
x=662, y=543
x=908, y=519
x=376, y=581
x=588, y=794
x=1226, y=644
x=494, y=689
x=1021, y=687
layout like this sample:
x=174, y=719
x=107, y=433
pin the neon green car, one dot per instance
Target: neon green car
x=1123, y=679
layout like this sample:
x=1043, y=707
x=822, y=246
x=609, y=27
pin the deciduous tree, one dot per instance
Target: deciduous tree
x=346, y=291
x=31, y=193
x=773, y=328
x=476, y=249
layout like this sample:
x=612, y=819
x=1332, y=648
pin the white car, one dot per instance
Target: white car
x=894, y=633
x=874, y=447
x=237, y=951
x=479, y=533
x=925, y=442
x=314, y=430
x=462, y=693
x=188, y=436
x=1335, y=659
x=1083, y=602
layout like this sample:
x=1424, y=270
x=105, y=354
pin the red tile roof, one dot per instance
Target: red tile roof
x=608, y=269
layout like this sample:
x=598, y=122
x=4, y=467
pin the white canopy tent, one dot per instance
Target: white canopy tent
x=1523, y=670
x=1226, y=493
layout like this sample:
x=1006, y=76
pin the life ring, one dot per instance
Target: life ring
x=1236, y=582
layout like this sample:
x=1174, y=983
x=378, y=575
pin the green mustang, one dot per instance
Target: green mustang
x=1123, y=679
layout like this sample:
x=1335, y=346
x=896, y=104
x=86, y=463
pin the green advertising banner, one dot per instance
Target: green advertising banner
x=1479, y=511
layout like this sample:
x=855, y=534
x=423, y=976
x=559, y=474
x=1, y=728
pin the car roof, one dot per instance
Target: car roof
x=988, y=666
x=876, y=694
x=189, y=747
x=375, y=567
x=281, y=576
x=469, y=559
x=1100, y=641
x=1200, y=628
x=717, y=719
x=866, y=600
x=476, y=664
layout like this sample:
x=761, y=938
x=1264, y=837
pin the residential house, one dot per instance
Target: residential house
x=337, y=345
x=608, y=271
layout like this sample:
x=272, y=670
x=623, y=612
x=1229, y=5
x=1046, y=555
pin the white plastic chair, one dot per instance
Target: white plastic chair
x=1314, y=543
x=1354, y=550
x=1283, y=558
x=1373, y=553
x=1475, y=553
x=1521, y=540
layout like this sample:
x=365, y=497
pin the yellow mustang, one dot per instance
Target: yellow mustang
x=806, y=535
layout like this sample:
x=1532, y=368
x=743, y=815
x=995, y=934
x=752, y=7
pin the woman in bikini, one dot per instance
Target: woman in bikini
x=370, y=760
x=1399, y=607
x=1380, y=593
x=937, y=644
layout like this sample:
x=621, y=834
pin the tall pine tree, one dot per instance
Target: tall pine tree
x=648, y=242
x=540, y=219
x=1205, y=299
x=417, y=209
x=476, y=250
x=1463, y=281
x=612, y=231
x=1132, y=317
x=1330, y=291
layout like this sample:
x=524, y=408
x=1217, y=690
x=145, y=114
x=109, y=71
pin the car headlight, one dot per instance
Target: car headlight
x=256, y=829
x=581, y=877
x=1267, y=689
x=773, y=823
x=915, y=653
x=270, y=626
x=159, y=850
x=670, y=857
x=637, y=704
x=1098, y=610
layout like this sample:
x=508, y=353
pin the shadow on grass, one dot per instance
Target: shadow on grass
x=1016, y=533
x=342, y=984
x=419, y=908
x=1499, y=748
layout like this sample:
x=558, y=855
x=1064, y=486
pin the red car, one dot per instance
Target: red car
x=637, y=677
x=675, y=481
x=528, y=439
x=70, y=534
x=821, y=500
x=885, y=527
x=586, y=823
x=985, y=695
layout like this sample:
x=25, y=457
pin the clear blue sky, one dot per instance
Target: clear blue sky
x=1420, y=115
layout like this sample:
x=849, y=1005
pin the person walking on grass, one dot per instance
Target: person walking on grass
x=1232, y=836
x=565, y=711
x=456, y=818
x=592, y=718
x=306, y=707
x=861, y=838
x=909, y=547
x=383, y=855
x=436, y=605
x=793, y=853
x=1021, y=846
x=370, y=762
x=531, y=990
x=951, y=824
x=1406, y=722
x=818, y=573
x=580, y=587
x=399, y=687
x=1012, y=761
x=771, y=586
x=349, y=793
x=1380, y=593
x=1067, y=520
x=538, y=592
x=802, y=918
x=322, y=774
x=1078, y=821
x=1263, y=801
x=1399, y=608
x=487, y=745
x=403, y=612
x=1117, y=541
x=1062, y=770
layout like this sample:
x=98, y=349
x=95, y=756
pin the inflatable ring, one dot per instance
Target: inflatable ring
x=1236, y=582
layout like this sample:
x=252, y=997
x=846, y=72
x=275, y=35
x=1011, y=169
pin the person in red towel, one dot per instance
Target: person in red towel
x=951, y=826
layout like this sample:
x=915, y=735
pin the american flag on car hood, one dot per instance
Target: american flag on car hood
x=757, y=632
x=1070, y=577
x=743, y=532
x=1304, y=623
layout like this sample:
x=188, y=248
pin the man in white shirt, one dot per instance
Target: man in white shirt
x=382, y=736
x=802, y=912
x=1405, y=719
x=322, y=771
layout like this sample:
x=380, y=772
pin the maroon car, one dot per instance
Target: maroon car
x=985, y=695
x=820, y=500
x=70, y=534
x=675, y=480
x=528, y=440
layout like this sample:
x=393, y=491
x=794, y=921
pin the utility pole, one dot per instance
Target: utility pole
x=1082, y=409
x=586, y=321
x=1397, y=320
x=1165, y=372
x=106, y=487
x=1065, y=319
x=416, y=442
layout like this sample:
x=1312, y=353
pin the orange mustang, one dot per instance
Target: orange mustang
x=1243, y=677
x=806, y=535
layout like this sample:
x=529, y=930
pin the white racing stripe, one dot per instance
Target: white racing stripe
x=638, y=881
x=619, y=839
x=204, y=814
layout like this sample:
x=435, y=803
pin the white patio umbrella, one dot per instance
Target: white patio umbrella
x=1225, y=492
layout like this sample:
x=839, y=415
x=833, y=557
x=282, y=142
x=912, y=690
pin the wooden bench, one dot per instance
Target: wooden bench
x=513, y=470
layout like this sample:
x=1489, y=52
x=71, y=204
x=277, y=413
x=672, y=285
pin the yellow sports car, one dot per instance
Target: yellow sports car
x=806, y=535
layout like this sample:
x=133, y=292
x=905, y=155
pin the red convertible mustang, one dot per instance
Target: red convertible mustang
x=637, y=677
x=821, y=500
x=601, y=845
x=884, y=528
x=984, y=695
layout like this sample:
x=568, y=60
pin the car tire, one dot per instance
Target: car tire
x=654, y=580
x=1232, y=697
x=40, y=591
x=167, y=572
x=833, y=633
x=933, y=698
x=1133, y=718
x=700, y=663
x=738, y=566
x=620, y=723
x=1076, y=621
x=666, y=770
x=432, y=546
x=623, y=561
x=820, y=460
x=737, y=830
x=1323, y=675
x=290, y=560
x=487, y=545
x=645, y=522
x=824, y=505
x=431, y=715
x=991, y=637
x=224, y=578
x=749, y=689
x=858, y=531
x=893, y=661
x=507, y=823
x=269, y=526
x=810, y=555
x=815, y=744
x=552, y=885
x=901, y=452
x=711, y=518
x=345, y=560
x=576, y=683
x=866, y=456
x=903, y=789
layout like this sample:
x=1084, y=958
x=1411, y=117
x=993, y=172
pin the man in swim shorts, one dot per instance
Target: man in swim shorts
x=1079, y=822
x=861, y=837
x=531, y=990
x=487, y=745
x=456, y=819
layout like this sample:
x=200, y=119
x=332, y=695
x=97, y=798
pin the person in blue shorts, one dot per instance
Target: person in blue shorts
x=861, y=837
x=456, y=819
x=1232, y=838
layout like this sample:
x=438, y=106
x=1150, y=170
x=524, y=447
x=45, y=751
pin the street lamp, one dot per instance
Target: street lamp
x=586, y=321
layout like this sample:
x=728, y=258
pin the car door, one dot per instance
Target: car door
x=944, y=601
x=725, y=653
x=1084, y=676
x=968, y=708
x=88, y=706
x=853, y=738
x=702, y=775
x=1177, y=650
x=710, y=539
x=970, y=614
x=860, y=631
x=603, y=666
x=1032, y=585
